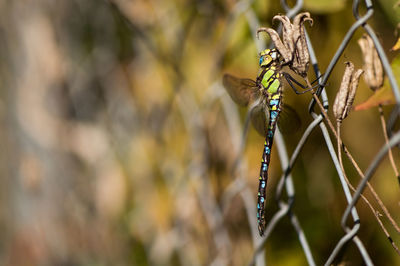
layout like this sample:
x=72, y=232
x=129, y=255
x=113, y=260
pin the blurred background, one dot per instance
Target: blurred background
x=119, y=142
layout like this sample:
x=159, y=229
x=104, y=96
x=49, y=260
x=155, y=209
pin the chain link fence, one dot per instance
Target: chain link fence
x=127, y=151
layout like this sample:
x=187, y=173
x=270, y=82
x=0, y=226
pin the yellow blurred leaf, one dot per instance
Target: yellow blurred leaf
x=324, y=6
x=396, y=46
x=383, y=96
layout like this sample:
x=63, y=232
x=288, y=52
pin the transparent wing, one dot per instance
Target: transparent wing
x=259, y=118
x=242, y=91
x=289, y=121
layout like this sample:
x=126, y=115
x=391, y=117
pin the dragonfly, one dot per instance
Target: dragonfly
x=265, y=96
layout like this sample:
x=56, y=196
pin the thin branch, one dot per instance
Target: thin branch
x=378, y=200
x=383, y=122
x=375, y=212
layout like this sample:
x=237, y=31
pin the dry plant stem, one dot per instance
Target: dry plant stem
x=339, y=145
x=378, y=200
x=375, y=212
x=383, y=122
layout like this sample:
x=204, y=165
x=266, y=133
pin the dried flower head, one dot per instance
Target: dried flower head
x=293, y=46
x=372, y=63
x=347, y=92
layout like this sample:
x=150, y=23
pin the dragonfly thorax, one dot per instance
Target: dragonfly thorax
x=269, y=80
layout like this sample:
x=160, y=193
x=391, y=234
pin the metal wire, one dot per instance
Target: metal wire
x=191, y=111
x=286, y=183
x=120, y=152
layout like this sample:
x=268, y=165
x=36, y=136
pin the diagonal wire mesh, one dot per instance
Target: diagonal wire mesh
x=192, y=112
x=285, y=206
x=135, y=107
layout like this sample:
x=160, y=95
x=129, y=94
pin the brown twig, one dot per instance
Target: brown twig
x=375, y=212
x=391, y=159
x=378, y=200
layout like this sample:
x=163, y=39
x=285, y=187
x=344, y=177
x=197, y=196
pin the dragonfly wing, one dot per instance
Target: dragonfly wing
x=259, y=119
x=242, y=91
x=289, y=121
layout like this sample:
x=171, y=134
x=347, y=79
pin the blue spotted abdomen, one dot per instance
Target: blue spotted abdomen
x=274, y=110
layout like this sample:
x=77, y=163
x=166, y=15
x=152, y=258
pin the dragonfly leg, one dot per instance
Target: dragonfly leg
x=315, y=80
x=292, y=80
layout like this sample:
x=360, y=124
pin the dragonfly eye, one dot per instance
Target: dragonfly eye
x=261, y=59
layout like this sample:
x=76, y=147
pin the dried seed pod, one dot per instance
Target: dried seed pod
x=341, y=96
x=352, y=93
x=302, y=56
x=345, y=97
x=283, y=50
x=287, y=36
x=372, y=64
x=293, y=48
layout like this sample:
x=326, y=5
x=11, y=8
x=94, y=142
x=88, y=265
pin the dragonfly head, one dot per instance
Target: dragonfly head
x=268, y=56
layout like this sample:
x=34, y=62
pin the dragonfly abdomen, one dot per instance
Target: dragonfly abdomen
x=274, y=103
